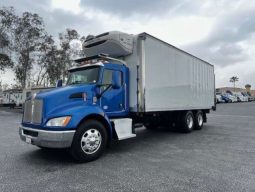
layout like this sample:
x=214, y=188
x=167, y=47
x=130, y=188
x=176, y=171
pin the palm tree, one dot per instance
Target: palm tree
x=233, y=80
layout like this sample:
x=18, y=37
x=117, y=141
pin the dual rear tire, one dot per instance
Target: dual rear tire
x=191, y=121
x=186, y=121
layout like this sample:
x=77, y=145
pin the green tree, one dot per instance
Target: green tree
x=42, y=62
x=65, y=52
x=7, y=23
x=247, y=86
x=35, y=58
x=51, y=61
x=29, y=35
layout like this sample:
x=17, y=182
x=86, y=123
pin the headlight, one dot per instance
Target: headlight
x=58, y=122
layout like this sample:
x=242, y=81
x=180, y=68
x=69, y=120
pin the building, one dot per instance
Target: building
x=237, y=89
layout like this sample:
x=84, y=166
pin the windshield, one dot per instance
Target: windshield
x=83, y=76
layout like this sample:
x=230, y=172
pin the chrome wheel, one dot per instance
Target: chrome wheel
x=91, y=141
x=200, y=119
x=190, y=122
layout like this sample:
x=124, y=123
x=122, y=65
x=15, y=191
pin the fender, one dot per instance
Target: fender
x=78, y=114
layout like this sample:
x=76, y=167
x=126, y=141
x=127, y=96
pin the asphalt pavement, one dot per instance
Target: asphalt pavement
x=220, y=157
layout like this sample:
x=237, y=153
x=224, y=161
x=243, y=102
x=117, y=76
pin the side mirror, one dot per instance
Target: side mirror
x=59, y=83
x=116, y=80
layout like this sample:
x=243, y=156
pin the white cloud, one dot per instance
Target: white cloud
x=67, y=5
x=221, y=32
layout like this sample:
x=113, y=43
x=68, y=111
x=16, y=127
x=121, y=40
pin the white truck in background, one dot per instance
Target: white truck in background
x=17, y=97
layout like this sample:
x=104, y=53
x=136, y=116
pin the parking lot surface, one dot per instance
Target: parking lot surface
x=220, y=157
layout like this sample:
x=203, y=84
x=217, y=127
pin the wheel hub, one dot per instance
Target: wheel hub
x=91, y=141
x=200, y=120
x=190, y=121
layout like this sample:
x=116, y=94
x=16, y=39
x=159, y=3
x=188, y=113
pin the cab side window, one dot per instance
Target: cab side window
x=108, y=75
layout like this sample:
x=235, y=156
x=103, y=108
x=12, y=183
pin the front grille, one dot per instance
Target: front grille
x=33, y=111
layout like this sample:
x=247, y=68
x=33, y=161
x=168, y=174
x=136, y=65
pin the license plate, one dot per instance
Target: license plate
x=28, y=140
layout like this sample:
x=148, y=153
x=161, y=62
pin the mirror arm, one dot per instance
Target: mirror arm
x=101, y=94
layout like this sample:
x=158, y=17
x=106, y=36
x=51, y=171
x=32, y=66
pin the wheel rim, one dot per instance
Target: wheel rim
x=91, y=141
x=200, y=119
x=190, y=121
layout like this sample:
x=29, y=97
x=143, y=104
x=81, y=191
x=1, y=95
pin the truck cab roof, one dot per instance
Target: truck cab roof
x=99, y=64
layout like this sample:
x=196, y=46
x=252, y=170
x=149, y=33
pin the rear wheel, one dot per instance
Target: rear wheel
x=199, y=120
x=89, y=141
x=187, y=122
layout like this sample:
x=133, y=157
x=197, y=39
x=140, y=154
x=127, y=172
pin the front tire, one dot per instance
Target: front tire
x=89, y=141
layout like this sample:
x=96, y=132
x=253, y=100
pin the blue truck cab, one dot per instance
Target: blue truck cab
x=95, y=93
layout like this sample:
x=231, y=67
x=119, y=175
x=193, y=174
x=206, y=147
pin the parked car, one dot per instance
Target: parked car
x=240, y=97
x=251, y=98
x=225, y=98
x=219, y=98
x=246, y=97
x=231, y=97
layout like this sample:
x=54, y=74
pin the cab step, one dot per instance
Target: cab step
x=123, y=128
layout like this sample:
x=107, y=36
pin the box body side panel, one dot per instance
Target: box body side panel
x=175, y=80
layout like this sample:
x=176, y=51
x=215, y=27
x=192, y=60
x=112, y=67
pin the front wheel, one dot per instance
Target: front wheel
x=89, y=141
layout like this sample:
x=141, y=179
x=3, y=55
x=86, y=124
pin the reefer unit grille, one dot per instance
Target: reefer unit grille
x=33, y=111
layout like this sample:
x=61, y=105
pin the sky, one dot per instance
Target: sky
x=221, y=32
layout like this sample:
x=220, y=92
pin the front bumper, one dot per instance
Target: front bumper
x=43, y=138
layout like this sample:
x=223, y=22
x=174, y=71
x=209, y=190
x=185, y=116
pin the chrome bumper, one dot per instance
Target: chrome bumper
x=43, y=138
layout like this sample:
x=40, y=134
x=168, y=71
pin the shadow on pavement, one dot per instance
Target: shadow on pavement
x=50, y=156
x=144, y=139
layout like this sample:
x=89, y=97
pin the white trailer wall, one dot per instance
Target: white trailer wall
x=169, y=78
x=175, y=80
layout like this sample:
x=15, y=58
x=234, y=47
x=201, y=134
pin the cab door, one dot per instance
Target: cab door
x=112, y=100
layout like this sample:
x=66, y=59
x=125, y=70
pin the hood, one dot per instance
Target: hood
x=65, y=96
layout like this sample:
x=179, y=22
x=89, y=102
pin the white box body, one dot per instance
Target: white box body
x=169, y=78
